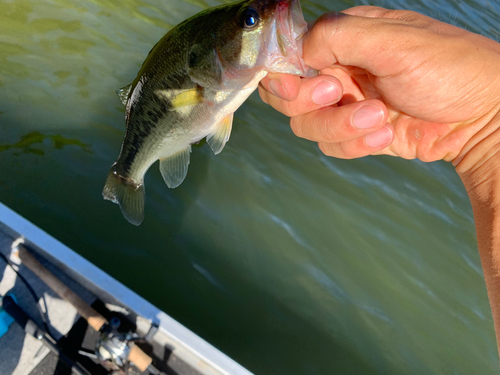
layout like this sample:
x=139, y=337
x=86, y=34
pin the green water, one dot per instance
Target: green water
x=288, y=261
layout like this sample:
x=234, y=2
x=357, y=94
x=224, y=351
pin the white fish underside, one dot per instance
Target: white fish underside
x=183, y=137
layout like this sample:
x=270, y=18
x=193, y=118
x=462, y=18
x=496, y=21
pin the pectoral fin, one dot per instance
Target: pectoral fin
x=174, y=168
x=218, y=137
x=181, y=98
x=123, y=93
x=203, y=66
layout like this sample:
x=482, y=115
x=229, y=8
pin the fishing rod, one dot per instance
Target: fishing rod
x=31, y=328
x=113, y=347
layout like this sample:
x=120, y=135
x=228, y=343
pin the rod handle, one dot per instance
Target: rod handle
x=139, y=358
x=94, y=319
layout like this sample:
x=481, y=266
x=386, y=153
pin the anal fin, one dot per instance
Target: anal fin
x=174, y=168
x=218, y=137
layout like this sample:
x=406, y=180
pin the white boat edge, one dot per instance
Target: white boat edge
x=100, y=280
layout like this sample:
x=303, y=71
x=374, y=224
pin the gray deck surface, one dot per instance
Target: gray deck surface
x=21, y=354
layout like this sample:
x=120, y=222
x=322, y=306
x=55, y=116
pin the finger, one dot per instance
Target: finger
x=362, y=146
x=284, y=86
x=315, y=93
x=337, y=124
x=408, y=16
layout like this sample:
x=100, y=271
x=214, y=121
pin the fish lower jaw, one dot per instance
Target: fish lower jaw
x=252, y=85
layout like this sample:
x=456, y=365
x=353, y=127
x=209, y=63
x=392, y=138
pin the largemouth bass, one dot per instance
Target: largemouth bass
x=192, y=82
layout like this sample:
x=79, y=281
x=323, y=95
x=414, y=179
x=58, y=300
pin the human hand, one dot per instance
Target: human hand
x=392, y=82
x=403, y=84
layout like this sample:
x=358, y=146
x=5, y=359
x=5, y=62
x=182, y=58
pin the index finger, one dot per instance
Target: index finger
x=284, y=86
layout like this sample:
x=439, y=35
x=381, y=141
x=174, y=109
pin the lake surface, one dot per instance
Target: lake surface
x=288, y=261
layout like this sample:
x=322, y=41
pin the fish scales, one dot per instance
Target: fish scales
x=192, y=82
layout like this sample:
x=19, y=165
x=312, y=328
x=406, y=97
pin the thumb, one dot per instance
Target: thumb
x=367, y=37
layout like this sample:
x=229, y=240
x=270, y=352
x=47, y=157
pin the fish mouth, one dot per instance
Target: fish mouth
x=290, y=27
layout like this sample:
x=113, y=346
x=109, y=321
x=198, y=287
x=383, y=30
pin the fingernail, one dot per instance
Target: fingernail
x=379, y=138
x=277, y=88
x=367, y=116
x=326, y=92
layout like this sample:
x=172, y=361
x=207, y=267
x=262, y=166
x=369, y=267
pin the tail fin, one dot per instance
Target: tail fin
x=127, y=194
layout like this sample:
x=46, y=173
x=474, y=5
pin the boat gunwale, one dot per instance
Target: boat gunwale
x=99, y=282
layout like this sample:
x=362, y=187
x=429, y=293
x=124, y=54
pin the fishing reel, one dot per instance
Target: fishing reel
x=113, y=347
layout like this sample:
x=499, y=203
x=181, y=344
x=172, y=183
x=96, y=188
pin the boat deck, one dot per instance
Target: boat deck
x=174, y=349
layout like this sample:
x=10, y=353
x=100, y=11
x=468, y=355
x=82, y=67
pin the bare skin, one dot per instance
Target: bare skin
x=402, y=84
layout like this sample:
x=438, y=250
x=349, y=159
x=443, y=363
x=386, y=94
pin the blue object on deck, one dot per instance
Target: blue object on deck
x=5, y=322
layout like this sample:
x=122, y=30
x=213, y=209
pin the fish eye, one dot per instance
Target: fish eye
x=249, y=18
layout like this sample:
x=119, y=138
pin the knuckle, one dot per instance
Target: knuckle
x=348, y=152
x=330, y=149
x=296, y=126
x=329, y=131
x=324, y=27
x=340, y=150
x=288, y=108
x=407, y=16
x=323, y=147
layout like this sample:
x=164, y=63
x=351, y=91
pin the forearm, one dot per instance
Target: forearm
x=480, y=173
x=487, y=220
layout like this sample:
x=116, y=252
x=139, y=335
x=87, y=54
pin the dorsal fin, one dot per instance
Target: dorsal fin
x=123, y=93
x=218, y=137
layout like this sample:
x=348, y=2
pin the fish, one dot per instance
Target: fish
x=190, y=85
